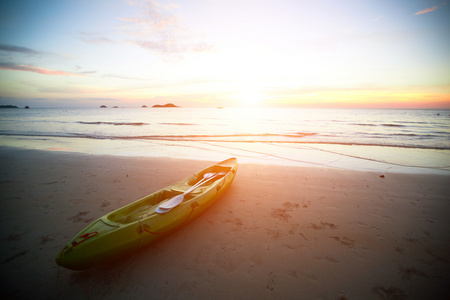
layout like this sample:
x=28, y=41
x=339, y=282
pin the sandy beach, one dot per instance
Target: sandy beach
x=279, y=232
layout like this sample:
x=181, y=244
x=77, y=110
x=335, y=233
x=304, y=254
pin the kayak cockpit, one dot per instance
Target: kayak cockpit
x=134, y=211
x=147, y=205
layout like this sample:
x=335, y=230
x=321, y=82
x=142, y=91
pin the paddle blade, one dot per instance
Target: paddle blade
x=172, y=202
x=160, y=210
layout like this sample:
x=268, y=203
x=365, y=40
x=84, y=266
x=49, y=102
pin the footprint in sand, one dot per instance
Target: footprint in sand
x=323, y=225
x=271, y=281
x=45, y=239
x=400, y=250
x=407, y=273
x=15, y=256
x=253, y=264
x=389, y=293
x=327, y=258
x=237, y=221
x=280, y=213
x=275, y=234
x=345, y=241
x=105, y=203
x=79, y=217
x=188, y=288
x=15, y=237
x=290, y=206
x=224, y=263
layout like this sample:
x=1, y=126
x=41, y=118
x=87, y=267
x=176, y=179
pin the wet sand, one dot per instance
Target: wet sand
x=279, y=232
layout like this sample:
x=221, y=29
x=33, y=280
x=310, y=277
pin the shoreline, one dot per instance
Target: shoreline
x=336, y=156
x=278, y=232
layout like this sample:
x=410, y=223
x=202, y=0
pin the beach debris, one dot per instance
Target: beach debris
x=381, y=176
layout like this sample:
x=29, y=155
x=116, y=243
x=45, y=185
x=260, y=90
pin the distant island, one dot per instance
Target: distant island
x=165, y=105
x=8, y=106
x=170, y=105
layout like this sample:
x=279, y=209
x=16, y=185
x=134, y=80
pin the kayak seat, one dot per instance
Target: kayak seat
x=133, y=212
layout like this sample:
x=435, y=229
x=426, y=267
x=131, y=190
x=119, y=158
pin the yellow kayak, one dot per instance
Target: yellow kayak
x=126, y=229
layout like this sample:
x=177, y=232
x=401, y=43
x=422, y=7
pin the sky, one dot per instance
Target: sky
x=209, y=53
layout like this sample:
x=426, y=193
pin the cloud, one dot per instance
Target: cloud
x=12, y=48
x=154, y=17
x=123, y=77
x=430, y=9
x=173, y=46
x=94, y=38
x=97, y=40
x=378, y=18
x=158, y=30
x=16, y=67
x=31, y=52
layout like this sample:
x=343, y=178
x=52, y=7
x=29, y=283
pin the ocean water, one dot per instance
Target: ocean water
x=342, y=138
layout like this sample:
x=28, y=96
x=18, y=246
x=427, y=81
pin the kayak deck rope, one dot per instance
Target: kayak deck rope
x=85, y=237
x=88, y=235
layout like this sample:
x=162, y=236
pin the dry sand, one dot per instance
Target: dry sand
x=278, y=233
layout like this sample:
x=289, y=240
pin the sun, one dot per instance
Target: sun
x=250, y=99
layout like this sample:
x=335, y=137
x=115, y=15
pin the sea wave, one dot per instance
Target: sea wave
x=268, y=138
x=181, y=124
x=365, y=124
x=392, y=125
x=115, y=123
x=237, y=137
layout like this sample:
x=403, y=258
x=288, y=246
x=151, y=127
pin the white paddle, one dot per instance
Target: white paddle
x=168, y=205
